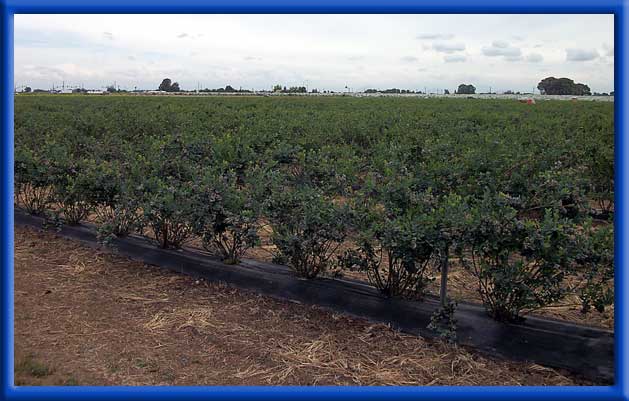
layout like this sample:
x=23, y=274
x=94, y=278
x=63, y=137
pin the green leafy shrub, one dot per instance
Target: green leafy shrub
x=308, y=229
x=598, y=159
x=33, y=190
x=405, y=231
x=520, y=264
x=71, y=190
x=312, y=168
x=166, y=210
x=114, y=198
x=164, y=182
x=226, y=215
x=138, y=163
x=594, y=255
x=394, y=244
x=562, y=189
x=396, y=254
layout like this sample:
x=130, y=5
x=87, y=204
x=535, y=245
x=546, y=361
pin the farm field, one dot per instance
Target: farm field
x=505, y=204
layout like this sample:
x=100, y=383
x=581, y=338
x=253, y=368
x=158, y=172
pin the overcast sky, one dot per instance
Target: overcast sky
x=320, y=51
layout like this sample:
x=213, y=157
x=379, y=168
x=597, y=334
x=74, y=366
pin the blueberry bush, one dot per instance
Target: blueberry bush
x=400, y=189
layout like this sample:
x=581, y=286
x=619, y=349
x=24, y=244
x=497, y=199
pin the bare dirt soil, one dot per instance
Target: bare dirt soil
x=89, y=317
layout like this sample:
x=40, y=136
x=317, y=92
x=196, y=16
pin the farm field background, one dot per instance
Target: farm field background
x=514, y=200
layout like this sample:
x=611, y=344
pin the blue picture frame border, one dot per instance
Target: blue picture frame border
x=619, y=391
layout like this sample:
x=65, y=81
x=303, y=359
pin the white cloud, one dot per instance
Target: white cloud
x=534, y=58
x=448, y=47
x=608, y=50
x=500, y=48
x=516, y=57
x=454, y=58
x=581, y=54
x=409, y=59
x=327, y=51
x=500, y=44
x=435, y=36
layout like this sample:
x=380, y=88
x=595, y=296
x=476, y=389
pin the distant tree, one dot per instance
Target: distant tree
x=111, y=89
x=226, y=89
x=582, y=90
x=174, y=87
x=296, y=89
x=466, y=89
x=371, y=91
x=165, y=85
x=562, y=86
x=509, y=92
x=27, y=89
x=611, y=93
x=314, y=90
x=277, y=88
x=446, y=92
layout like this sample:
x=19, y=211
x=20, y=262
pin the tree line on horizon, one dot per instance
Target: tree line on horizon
x=547, y=86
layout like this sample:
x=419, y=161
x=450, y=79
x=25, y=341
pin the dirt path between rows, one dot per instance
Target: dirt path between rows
x=88, y=317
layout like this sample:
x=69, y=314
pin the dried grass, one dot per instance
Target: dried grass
x=107, y=321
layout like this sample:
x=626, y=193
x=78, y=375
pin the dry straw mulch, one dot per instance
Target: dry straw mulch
x=89, y=317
